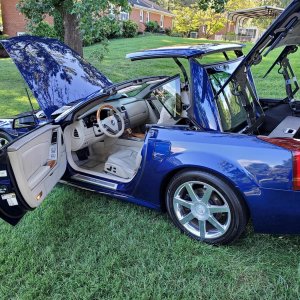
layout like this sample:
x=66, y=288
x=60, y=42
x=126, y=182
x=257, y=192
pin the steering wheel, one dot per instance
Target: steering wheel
x=113, y=125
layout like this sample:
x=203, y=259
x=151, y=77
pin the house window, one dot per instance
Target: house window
x=124, y=16
x=141, y=16
x=148, y=16
x=162, y=21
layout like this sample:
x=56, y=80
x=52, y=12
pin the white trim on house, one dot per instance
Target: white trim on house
x=160, y=12
x=162, y=21
x=141, y=16
x=148, y=16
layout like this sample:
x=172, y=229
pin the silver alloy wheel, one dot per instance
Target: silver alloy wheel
x=201, y=209
x=3, y=142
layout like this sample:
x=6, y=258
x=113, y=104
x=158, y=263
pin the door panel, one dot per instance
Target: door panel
x=38, y=161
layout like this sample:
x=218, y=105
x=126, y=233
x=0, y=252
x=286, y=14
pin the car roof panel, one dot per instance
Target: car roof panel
x=185, y=51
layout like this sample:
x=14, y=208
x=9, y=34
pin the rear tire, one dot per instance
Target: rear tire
x=4, y=139
x=206, y=208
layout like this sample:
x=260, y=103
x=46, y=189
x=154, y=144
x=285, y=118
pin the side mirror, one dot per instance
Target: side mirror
x=24, y=122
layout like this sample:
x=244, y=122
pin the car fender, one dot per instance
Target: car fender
x=255, y=168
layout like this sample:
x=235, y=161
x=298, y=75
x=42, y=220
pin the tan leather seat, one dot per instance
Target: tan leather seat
x=124, y=163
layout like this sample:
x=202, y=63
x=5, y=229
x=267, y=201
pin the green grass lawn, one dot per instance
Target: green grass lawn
x=80, y=245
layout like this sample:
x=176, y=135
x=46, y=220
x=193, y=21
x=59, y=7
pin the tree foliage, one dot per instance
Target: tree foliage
x=212, y=22
x=190, y=18
x=187, y=19
x=70, y=16
x=217, y=6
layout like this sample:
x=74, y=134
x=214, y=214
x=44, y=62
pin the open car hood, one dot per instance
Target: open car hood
x=56, y=75
x=284, y=31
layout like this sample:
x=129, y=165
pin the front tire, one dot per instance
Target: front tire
x=206, y=208
x=4, y=139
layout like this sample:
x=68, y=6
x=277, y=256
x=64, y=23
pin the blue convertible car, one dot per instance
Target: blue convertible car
x=202, y=145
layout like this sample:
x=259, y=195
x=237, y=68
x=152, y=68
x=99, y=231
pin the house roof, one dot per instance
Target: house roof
x=184, y=51
x=149, y=5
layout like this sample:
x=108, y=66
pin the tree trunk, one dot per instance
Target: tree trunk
x=72, y=33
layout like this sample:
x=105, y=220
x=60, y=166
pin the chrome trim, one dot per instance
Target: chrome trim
x=95, y=181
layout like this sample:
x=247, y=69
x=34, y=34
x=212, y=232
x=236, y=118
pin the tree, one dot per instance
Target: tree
x=68, y=15
x=233, y=5
x=187, y=19
x=190, y=18
x=212, y=22
x=217, y=6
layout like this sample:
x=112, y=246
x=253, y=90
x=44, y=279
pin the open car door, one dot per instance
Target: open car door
x=29, y=169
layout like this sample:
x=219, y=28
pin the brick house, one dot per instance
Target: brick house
x=14, y=22
x=142, y=11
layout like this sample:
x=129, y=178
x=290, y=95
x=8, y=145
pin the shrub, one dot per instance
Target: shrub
x=44, y=29
x=114, y=28
x=168, y=31
x=152, y=26
x=130, y=29
x=103, y=28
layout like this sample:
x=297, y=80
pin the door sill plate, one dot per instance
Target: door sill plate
x=95, y=181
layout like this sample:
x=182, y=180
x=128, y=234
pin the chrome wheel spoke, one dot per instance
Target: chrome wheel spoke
x=189, y=217
x=202, y=228
x=197, y=213
x=207, y=194
x=214, y=209
x=178, y=200
x=191, y=192
x=213, y=221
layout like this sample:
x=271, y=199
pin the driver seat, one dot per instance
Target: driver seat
x=124, y=163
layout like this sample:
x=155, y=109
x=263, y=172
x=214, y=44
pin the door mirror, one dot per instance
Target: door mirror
x=24, y=122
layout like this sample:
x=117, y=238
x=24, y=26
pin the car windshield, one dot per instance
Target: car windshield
x=232, y=113
x=168, y=96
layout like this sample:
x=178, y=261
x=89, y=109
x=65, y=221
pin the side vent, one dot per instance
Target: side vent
x=76, y=134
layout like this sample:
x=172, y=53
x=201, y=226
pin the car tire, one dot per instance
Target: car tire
x=4, y=139
x=206, y=208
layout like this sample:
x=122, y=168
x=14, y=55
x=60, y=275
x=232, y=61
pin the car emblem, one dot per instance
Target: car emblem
x=113, y=122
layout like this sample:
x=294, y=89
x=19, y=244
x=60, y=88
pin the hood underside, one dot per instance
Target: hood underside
x=56, y=75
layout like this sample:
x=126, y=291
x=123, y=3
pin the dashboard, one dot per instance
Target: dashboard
x=85, y=131
x=90, y=120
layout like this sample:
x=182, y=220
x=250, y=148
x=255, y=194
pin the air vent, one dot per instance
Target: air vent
x=76, y=134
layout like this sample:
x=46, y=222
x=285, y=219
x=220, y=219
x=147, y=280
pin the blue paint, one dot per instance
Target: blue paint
x=56, y=74
x=184, y=51
x=204, y=106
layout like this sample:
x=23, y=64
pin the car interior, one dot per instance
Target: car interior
x=107, y=139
